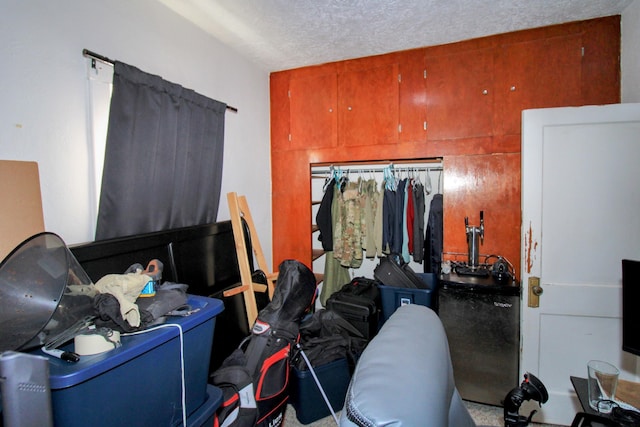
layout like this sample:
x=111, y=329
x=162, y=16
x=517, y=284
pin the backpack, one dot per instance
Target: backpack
x=358, y=302
x=254, y=379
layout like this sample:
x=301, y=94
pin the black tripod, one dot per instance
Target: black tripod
x=531, y=388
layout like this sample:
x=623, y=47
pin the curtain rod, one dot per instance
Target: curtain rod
x=94, y=56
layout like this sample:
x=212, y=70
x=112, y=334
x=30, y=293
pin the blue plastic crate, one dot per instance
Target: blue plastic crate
x=138, y=383
x=204, y=415
x=305, y=394
x=393, y=297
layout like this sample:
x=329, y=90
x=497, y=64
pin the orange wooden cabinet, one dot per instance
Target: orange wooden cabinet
x=368, y=105
x=412, y=114
x=460, y=94
x=343, y=104
x=461, y=102
x=536, y=74
x=313, y=100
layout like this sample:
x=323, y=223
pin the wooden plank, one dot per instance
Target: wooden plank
x=629, y=392
x=243, y=262
x=257, y=248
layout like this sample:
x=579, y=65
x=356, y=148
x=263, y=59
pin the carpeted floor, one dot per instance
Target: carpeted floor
x=483, y=415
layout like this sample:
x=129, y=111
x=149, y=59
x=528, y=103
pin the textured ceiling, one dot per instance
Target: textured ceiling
x=285, y=34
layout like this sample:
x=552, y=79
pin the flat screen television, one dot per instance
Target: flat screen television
x=631, y=306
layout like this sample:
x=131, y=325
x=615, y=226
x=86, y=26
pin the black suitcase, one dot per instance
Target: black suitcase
x=358, y=302
x=392, y=271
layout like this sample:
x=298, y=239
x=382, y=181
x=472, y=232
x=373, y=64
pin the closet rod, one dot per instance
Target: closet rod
x=378, y=169
x=94, y=56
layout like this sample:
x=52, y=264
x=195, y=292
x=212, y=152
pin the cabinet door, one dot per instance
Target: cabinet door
x=536, y=74
x=460, y=95
x=413, y=97
x=313, y=101
x=368, y=103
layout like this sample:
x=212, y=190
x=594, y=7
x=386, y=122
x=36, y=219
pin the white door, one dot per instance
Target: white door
x=580, y=218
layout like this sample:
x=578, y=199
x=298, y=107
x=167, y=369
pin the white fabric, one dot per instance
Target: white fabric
x=125, y=288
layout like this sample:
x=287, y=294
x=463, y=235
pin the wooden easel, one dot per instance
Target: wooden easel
x=238, y=209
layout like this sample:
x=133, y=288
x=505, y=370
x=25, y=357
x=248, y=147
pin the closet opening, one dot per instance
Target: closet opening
x=358, y=247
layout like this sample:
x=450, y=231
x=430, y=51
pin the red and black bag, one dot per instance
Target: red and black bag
x=254, y=379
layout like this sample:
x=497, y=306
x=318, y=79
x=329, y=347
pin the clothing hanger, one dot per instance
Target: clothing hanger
x=343, y=180
x=328, y=179
x=417, y=177
x=427, y=180
x=389, y=178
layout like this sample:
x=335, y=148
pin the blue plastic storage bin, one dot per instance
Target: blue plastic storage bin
x=393, y=297
x=139, y=383
x=306, y=397
x=204, y=415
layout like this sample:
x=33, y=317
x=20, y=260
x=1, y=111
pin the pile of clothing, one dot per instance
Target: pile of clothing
x=136, y=299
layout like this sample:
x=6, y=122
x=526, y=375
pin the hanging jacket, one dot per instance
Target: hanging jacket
x=418, y=222
x=323, y=217
x=433, y=240
x=398, y=234
x=351, y=227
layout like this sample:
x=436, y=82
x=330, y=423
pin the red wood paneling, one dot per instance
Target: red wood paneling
x=291, y=202
x=601, y=62
x=488, y=183
x=546, y=68
x=279, y=111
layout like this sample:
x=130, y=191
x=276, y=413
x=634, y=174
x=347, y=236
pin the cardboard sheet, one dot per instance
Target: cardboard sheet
x=20, y=204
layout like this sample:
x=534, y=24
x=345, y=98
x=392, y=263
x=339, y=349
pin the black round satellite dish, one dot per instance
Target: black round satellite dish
x=43, y=291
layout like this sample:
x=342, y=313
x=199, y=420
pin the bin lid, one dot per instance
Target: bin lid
x=63, y=374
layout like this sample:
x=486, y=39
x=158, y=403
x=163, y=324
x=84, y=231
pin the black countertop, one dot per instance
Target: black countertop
x=484, y=284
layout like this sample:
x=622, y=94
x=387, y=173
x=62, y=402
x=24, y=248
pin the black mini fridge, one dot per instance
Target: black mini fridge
x=482, y=320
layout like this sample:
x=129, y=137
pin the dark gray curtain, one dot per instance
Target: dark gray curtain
x=163, y=160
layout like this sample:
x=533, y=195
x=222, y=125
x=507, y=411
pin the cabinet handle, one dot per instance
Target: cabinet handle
x=485, y=92
x=349, y=108
x=513, y=88
x=331, y=110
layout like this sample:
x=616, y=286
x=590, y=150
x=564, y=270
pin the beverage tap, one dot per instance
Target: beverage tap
x=475, y=236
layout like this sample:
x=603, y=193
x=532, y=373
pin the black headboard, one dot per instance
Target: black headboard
x=201, y=256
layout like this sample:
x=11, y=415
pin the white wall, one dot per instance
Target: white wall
x=43, y=97
x=630, y=60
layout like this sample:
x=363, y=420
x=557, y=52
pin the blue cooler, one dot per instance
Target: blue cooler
x=393, y=297
x=140, y=382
